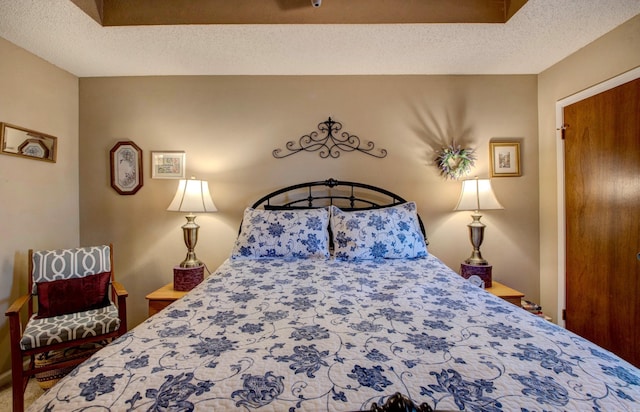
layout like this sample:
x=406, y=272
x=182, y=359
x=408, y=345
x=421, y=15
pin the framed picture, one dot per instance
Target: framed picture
x=126, y=167
x=505, y=159
x=168, y=165
x=18, y=141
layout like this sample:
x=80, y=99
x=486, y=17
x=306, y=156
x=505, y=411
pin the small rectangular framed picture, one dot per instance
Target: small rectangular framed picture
x=168, y=165
x=505, y=159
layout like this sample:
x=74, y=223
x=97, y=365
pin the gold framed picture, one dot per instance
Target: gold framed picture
x=18, y=141
x=505, y=159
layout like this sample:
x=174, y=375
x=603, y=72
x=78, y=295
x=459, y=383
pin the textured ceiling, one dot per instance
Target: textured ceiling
x=540, y=34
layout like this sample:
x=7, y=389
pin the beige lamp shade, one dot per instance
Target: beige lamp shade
x=192, y=196
x=477, y=194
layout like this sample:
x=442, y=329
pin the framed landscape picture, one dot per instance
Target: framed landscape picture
x=505, y=159
x=168, y=165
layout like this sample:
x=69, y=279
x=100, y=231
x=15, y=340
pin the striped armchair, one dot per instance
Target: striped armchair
x=73, y=301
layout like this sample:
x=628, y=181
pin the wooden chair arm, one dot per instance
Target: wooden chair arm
x=119, y=289
x=15, y=328
x=17, y=305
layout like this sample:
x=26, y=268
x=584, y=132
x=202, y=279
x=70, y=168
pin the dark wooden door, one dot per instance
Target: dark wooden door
x=602, y=189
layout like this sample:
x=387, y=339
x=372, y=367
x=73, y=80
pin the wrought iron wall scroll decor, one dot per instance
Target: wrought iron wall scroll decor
x=328, y=144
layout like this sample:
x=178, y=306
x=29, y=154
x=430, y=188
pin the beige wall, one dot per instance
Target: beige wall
x=38, y=200
x=607, y=57
x=229, y=126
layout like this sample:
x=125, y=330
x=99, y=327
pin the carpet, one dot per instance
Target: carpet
x=32, y=393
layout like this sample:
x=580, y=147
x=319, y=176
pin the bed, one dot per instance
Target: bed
x=331, y=301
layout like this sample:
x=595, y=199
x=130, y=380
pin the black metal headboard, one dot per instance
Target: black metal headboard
x=345, y=195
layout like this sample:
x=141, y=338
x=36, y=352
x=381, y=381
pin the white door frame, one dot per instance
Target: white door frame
x=560, y=105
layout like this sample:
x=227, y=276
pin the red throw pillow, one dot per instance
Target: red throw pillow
x=64, y=296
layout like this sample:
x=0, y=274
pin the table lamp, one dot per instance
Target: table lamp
x=477, y=195
x=191, y=197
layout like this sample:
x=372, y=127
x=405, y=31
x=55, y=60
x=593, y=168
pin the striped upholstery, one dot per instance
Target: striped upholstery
x=63, y=328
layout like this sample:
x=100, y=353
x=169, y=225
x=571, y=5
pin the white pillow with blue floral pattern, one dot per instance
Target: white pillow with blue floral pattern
x=266, y=234
x=385, y=233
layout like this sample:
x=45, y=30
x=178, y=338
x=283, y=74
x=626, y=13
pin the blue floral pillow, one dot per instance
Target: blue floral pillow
x=268, y=234
x=386, y=233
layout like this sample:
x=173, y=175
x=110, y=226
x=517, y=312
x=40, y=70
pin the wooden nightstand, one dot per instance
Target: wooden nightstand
x=163, y=297
x=506, y=293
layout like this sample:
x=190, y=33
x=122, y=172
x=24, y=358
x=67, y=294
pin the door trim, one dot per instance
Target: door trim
x=560, y=105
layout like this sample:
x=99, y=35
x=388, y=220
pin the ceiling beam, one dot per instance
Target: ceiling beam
x=91, y=7
x=173, y=12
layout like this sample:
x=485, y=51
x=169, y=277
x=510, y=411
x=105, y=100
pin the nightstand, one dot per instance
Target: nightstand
x=506, y=293
x=163, y=297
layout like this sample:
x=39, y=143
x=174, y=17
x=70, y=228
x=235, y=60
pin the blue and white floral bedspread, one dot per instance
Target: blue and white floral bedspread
x=315, y=335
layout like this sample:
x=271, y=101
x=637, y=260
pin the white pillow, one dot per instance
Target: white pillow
x=265, y=234
x=385, y=233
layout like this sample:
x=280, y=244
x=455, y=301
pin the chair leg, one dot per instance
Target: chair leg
x=18, y=378
x=18, y=387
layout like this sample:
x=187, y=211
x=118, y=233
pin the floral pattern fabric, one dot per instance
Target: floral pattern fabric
x=314, y=335
x=385, y=233
x=293, y=233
